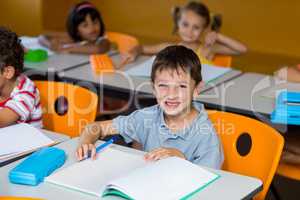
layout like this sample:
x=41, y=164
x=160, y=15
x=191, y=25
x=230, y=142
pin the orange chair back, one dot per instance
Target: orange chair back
x=222, y=60
x=125, y=42
x=66, y=108
x=260, y=151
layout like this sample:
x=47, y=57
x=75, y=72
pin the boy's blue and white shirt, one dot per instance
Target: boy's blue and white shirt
x=198, y=142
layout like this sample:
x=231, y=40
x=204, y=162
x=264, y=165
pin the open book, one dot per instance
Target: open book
x=20, y=139
x=209, y=72
x=128, y=176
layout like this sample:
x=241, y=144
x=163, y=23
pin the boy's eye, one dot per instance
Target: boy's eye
x=162, y=85
x=183, y=86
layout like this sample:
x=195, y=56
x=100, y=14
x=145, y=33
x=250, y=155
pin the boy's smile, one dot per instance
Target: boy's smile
x=174, y=91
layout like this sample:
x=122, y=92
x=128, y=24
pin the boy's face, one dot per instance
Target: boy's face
x=174, y=91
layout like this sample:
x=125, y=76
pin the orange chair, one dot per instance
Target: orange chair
x=66, y=108
x=251, y=147
x=125, y=42
x=222, y=60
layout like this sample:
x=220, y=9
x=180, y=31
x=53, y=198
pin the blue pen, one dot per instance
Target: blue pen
x=105, y=144
x=102, y=146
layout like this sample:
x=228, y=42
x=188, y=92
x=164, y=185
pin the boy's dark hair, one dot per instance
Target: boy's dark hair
x=78, y=14
x=175, y=57
x=11, y=51
x=200, y=9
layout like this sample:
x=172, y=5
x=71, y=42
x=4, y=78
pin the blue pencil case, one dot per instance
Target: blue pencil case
x=287, y=108
x=37, y=166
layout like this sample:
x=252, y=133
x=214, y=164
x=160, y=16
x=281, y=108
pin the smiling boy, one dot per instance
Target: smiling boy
x=176, y=126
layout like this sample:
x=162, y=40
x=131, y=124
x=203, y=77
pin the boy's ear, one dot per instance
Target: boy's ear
x=8, y=72
x=198, y=89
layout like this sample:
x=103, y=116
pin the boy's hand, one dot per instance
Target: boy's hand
x=84, y=150
x=162, y=153
x=89, y=135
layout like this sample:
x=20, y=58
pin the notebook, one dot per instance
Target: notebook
x=209, y=72
x=117, y=173
x=19, y=139
x=33, y=43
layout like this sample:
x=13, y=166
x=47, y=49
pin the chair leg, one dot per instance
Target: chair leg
x=274, y=191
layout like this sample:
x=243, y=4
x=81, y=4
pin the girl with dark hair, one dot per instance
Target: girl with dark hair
x=85, y=32
x=198, y=30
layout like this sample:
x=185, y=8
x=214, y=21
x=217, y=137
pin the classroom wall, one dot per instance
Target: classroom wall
x=266, y=26
x=22, y=16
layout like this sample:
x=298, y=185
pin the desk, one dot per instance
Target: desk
x=228, y=186
x=56, y=63
x=122, y=82
x=241, y=95
x=247, y=94
x=58, y=138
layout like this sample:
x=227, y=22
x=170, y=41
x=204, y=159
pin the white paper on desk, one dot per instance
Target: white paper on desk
x=32, y=43
x=19, y=138
x=209, y=72
x=132, y=175
x=274, y=90
x=157, y=180
x=91, y=176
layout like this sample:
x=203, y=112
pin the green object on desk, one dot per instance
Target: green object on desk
x=36, y=55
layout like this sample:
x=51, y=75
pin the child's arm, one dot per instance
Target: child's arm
x=53, y=40
x=226, y=45
x=132, y=54
x=289, y=73
x=91, y=134
x=8, y=117
x=101, y=47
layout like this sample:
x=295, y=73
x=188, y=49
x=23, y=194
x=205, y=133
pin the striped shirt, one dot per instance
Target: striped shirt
x=25, y=101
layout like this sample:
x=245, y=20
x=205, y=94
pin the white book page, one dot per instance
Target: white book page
x=209, y=72
x=91, y=176
x=170, y=178
x=142, y=69
x=32, y=43
x=22, y=137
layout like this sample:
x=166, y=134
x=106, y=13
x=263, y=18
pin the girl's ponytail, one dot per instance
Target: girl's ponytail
x=216, y=22
x=176, y=16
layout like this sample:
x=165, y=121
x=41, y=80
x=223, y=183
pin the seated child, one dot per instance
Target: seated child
x=291, y=74
x=86, y=32
x=19, y=98
x=193, y=23
x=176, y=126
